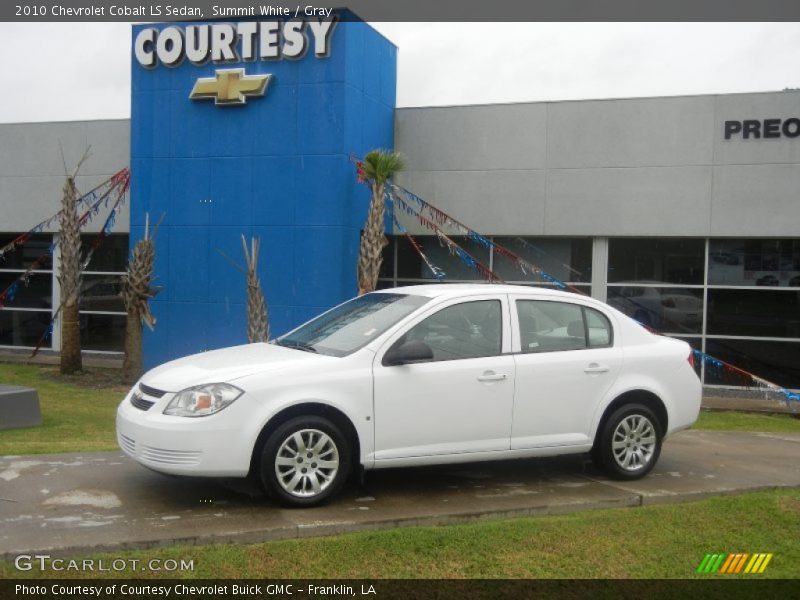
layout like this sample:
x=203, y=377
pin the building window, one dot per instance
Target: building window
x=737, y=299
x=656, y=260
x=778, y=362
x=25, y=318
x=760, y=263
x=665, y=309
x=411, y=267
x=567, y=259
x=102, y=311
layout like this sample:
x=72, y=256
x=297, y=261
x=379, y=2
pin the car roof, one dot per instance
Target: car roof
x=439, y=290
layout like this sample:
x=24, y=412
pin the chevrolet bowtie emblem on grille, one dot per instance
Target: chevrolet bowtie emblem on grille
x=230, y=87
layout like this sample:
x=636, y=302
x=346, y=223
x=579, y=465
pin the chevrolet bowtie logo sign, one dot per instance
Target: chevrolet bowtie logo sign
x=230, y=87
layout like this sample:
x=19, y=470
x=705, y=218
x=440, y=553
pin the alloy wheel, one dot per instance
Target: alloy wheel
x=306, y=463
x=634, y=442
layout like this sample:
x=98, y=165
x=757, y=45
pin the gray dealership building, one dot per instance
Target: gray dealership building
x=681, y=211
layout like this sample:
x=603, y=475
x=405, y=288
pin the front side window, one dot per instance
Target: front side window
x=467, y=330
x=546, y=326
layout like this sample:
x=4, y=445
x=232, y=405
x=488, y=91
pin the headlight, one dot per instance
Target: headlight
x=202, y=400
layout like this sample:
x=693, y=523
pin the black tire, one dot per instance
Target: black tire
x=295, y=488
x=633, y=457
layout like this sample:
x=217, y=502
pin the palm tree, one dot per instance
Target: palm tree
x=377, y=168
x=137, y=290
x=257, y=313
x=69, y=277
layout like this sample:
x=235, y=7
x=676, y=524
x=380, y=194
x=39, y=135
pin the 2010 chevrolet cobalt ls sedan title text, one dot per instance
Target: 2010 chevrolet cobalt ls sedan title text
x=414, y=376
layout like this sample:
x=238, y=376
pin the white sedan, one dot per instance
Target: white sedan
x=412, y=376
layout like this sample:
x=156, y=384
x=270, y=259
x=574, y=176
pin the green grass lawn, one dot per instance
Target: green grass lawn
x=79, y=412
x=667, y=541
x=739, y=421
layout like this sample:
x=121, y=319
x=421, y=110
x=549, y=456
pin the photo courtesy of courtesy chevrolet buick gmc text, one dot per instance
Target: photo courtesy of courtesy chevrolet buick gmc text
x=418, y=375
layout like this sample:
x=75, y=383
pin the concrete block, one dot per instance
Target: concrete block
x=19, y=407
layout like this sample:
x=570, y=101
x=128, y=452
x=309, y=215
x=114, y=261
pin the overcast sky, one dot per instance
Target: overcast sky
x=81, y=71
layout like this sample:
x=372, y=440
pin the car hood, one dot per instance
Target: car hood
x=226, y=365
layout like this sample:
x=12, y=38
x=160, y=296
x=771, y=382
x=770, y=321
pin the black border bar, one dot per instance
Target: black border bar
x=412, y=10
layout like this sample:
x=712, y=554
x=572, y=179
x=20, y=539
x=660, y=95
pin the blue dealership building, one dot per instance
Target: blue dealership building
x=276, y=167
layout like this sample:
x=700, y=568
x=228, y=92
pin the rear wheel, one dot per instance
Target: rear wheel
x=629, y=444
x=305, y=461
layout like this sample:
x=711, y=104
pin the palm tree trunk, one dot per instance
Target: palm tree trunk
x=70, y=280
x=70, y=339
x=373, y=241
x=132, y=363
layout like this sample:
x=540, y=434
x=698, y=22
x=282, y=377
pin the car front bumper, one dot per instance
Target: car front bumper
x=218, y=445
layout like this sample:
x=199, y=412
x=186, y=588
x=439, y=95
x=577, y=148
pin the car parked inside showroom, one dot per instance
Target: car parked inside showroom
x=665, y=308
x=419, y=375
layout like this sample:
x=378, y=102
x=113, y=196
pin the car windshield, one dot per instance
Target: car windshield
x=351, y=325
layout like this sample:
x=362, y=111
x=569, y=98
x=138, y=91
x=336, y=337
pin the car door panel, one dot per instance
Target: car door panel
x=446, y=406
x=558, y=388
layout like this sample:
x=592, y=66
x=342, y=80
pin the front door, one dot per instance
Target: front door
x=459, y=402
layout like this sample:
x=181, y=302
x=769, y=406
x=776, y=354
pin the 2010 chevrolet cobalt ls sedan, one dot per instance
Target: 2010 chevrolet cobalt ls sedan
x=414, y=376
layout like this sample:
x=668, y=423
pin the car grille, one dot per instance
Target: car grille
x=127, y=444
x=152, y=392
x=170, y=457
x=141, y=403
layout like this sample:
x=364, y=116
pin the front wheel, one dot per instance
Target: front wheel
x=629, y=445
x=305, y=461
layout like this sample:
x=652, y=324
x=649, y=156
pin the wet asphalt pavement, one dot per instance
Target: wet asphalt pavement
x=77, y=503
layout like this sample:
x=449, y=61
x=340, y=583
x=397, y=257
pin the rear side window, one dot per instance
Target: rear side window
x=599, y=329
x=546, y=326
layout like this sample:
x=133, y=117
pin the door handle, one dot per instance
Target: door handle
x=492, y=376
x=595, y=368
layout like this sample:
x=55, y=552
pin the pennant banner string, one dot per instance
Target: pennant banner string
x=121, y=183
x=444, y=219
x=454, y=249
x=89, y=197
x=542, y=252
x=438, y=274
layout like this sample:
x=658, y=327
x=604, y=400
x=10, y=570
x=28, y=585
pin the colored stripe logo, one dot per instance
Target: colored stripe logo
x=734, y=563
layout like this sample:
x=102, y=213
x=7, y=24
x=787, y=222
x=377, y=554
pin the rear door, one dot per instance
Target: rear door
x=566, y=360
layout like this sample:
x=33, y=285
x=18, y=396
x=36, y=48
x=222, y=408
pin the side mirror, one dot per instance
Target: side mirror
x=410, y=352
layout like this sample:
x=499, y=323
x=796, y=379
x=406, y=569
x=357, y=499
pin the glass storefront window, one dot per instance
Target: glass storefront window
x=37, y=293
x=667, y=310
x=567, y=259
x=765, y=263
x=103, y=332
x=755, y=313
x=656, y=260
x=111, y=256
x=387, y=266
x=23, y=327
x=37, y=246
x=778, y=362
x=411, y=266
x=102, y=293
